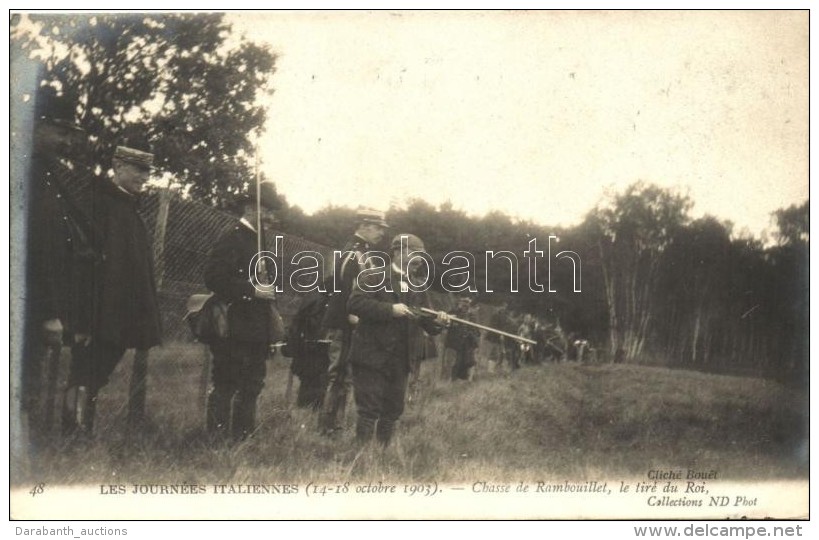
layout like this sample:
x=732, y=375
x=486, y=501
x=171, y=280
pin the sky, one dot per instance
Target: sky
x=537, y=114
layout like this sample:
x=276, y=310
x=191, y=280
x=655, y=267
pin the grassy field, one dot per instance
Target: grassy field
x=555, y=421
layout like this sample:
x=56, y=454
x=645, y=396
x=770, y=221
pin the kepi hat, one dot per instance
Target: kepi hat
x=368, y=215
x=134, y=156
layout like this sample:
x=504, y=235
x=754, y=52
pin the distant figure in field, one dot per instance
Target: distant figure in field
x=581, y=347
x=460, y=344
x=497, y=343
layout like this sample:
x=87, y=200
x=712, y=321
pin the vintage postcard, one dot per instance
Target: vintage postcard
x=409, y=264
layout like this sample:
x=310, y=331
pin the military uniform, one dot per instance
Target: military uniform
x=124, y=313
x=383, y=347
x=238, y=359
x=339, y=326
x=59, y=257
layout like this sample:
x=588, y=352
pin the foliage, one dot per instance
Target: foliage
x=634, y=229
x=182, y=83
x=793, y=224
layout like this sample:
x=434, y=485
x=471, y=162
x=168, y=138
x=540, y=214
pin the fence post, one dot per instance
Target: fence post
x=159, y=235
x=137, y=389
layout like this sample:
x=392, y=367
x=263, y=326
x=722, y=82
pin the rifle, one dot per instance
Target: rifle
x=430, y=314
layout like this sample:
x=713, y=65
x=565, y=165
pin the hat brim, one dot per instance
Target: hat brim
x=148, y=167
x=376, y=222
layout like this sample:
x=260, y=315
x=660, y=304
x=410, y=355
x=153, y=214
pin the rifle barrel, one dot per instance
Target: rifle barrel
x=482, y=327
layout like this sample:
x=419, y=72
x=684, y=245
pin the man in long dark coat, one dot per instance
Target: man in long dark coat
x=124, y=313
x=386, y=339
x=253, y=324
x=58, y=252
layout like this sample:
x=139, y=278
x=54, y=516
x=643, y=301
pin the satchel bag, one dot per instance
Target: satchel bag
x=207, y=317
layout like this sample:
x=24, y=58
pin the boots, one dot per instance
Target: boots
x=364, y=429
x=218, y=413
x=244, y=417
x=384, y=431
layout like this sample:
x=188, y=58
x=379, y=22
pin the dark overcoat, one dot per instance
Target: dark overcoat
x=126, y=311
x=381, y=341
x=226, y=274
x=60, y=256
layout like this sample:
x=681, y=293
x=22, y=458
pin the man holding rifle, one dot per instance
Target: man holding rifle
x=388, y=331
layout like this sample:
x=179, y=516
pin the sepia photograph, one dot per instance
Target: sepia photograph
x=343, y=265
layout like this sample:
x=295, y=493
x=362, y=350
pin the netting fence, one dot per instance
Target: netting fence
x=184, y=231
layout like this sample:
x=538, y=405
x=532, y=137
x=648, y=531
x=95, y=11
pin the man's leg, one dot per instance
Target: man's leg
x=493, y=355
x=223, y=386
x=449, y=369
x=32, y=405
x=252, y=358
x=393, y=399
x=91, y=368
x=471, y=363
x=369, y=386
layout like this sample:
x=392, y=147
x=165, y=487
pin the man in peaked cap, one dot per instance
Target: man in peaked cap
x=387, y=339
x=338, y=323
x=123, y=312
x=238, y=369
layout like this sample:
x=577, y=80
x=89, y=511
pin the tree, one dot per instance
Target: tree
x=793, y=224
x=182, y=82
x=635, y=228
x=692, y=296
x=791, y=279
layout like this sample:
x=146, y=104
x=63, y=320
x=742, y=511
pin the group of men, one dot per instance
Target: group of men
x=90, y=286
x=89, y=268
x=549, y=341
x=374, y=334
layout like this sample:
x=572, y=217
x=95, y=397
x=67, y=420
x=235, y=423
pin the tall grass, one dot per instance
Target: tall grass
x=550, y=422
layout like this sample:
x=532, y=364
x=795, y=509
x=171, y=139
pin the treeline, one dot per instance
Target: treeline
x=657, y=285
